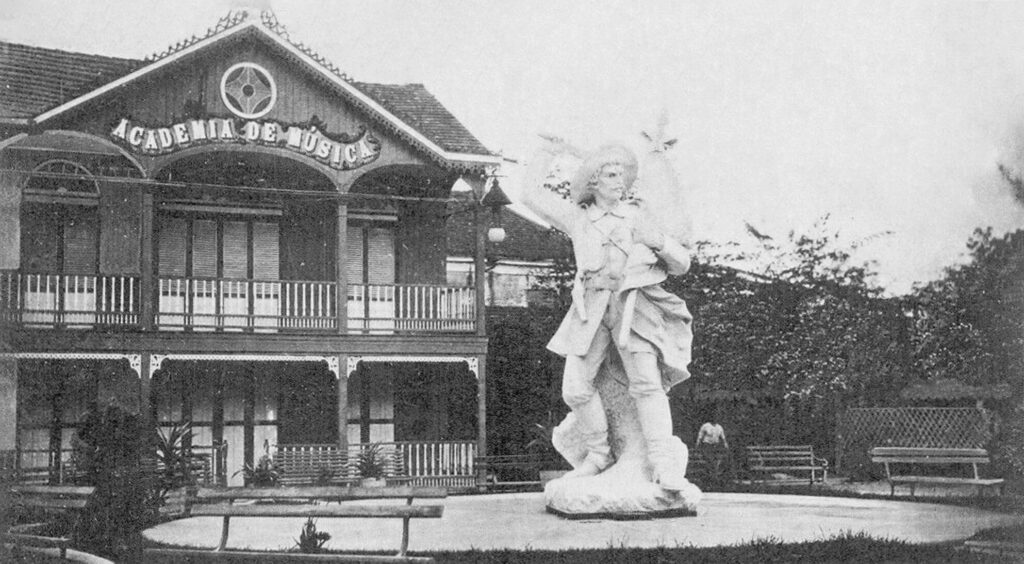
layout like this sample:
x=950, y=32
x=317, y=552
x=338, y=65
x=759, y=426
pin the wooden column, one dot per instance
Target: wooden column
x=341, y=274
x=147, y=292
x=249, y=416
x=10, y=218
x=480, y=270
x=343, y=402
x=8, y=403
x=481, y=412
x=215, y=372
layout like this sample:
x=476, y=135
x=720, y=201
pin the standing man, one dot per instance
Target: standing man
x=619, y=312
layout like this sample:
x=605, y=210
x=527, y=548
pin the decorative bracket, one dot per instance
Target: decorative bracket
x=471, y=361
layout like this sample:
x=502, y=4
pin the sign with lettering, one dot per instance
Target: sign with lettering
x=342, y=152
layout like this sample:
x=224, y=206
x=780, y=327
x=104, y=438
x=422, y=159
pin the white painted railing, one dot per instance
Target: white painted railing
x=236, y=305
x=69, y=300
x=379, y=308
x=212, y=304
x=434, y=462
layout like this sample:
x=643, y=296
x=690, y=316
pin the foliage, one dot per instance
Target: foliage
x=324, y=475
x=1008, y=444
x=264, y=474
x=807, y=320
x=529, y=386
x=969, y=325
x=542, y=443
x=175, y=458
x=371, y=462
x=114, y=454
x=311, y=541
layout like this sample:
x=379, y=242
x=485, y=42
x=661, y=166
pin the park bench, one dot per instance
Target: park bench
x=313, y=501
x=890, y=456
x=503, y=471
x=767, y=460
x=35, y=500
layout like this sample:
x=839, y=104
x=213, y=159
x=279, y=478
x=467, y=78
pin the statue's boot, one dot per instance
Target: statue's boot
x=593, y=425
x=666, y=453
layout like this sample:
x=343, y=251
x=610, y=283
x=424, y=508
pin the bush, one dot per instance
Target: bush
x=264, y=474
x=113, y=453
x=1008, y=445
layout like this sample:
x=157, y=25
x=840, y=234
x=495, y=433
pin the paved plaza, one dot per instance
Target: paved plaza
x=519, y=521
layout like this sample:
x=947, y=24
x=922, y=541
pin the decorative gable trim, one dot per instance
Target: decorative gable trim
x=233, y=26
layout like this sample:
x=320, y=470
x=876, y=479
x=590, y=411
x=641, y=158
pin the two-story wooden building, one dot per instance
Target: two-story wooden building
x=236, y=234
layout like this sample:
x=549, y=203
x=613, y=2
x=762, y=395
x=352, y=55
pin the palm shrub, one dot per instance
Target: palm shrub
x=311, y=541
x=175, y=459
x=263, y=474
x=370, y=462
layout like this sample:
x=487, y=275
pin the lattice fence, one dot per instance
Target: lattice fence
x=860, y=429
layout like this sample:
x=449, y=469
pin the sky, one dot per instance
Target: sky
x=891, y=117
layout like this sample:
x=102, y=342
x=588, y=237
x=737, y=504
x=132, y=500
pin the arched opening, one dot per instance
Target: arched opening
x=241, y=240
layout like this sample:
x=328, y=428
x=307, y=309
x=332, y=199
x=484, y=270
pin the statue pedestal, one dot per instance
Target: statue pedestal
x=624, y=490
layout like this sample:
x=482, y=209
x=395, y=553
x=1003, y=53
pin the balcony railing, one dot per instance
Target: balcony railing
x=208, y=304
x=218, y=304
x=376, y=308
x=68, y=300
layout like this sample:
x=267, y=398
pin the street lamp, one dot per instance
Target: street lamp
x=495, y=199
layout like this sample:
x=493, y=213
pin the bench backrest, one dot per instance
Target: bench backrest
x=57, y=498
x=929, y=455
x=333, y=493
x=805, y=452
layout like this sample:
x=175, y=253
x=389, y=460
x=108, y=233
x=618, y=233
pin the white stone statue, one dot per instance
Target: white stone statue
x=626, y=340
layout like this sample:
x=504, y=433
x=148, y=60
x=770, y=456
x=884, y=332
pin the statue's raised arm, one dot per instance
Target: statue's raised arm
x=536, y=194
x=658, y=186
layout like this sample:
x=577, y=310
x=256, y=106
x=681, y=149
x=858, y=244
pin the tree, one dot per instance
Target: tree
x=810, y=321
x=969, y=325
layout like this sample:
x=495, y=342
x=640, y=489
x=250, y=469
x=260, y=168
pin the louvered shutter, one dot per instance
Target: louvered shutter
x=381, y=256
x=40, y=241
x=236, y=250
x=80, y=243
x=204, y=248
x=171, y=246
x=266, y=254
x=354, y=260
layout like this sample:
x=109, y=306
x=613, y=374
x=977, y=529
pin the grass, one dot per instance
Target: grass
x=848, y=548
x=851, y=548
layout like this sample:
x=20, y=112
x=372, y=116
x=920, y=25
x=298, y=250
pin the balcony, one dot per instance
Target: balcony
x=229, y=305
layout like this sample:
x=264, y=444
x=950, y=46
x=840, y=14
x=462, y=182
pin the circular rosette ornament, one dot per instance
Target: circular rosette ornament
x=248, y=90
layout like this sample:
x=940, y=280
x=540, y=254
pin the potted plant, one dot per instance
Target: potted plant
x=370, y=465
x=264, y=474
x=552, y=464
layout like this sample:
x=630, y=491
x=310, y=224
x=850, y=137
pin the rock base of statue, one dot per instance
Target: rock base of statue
x=624, y=490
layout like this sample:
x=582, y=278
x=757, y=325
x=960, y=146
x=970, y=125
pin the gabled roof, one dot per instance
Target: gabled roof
x=35, y=79
x=525, y=240
x=41, y=84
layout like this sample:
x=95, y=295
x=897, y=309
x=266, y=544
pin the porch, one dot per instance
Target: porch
x=433, y=463
x=71, y=301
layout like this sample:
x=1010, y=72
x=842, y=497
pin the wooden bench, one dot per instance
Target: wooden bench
x=296, y=502
x=765, y=460
x=524, y=470
x=34, y=500
x=934, y=456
